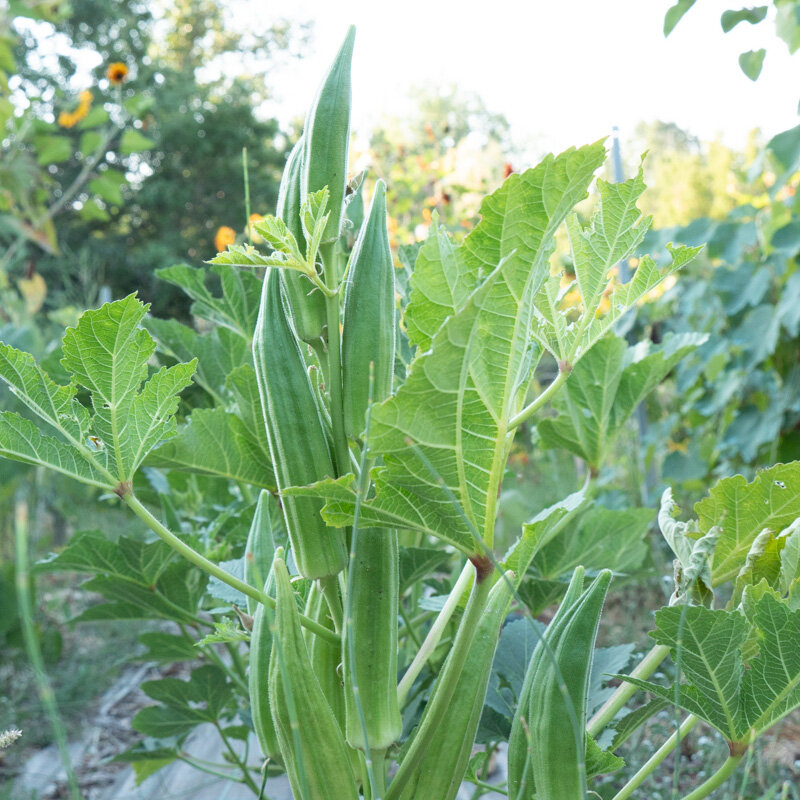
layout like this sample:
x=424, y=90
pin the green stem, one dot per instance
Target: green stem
x=379, y=771
x=650, y=765
x=435, y=633
x=214, y=658
x=208, y=770
x=647, y=666
x=540, y=401
x=43, y=685
x=408, y=627
x=717, y=779
x=330, y=589
x=211, y=568
x=244, y=769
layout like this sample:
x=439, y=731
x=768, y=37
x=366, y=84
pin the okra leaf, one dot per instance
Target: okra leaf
x=236, y=308
x=741, y=697
x=21, y=440
x=632, y=721
x=167, y=647
x=184, y=704
x=218, y=352
x=417, y=563
x=138, y=579
x=744, y=510
x=246, y=255
x=604, y=538
x=147, y=757
x=440, y=284
x=711, y=645
x=444, y=435
x=599, y=761
x=604, y=389
x=54, y=404
x=243, y=387
x=540, y=530
x=107, y=353
x=217, y=443
x=616, y=230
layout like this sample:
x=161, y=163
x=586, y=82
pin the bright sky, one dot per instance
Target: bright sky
x=563, y=72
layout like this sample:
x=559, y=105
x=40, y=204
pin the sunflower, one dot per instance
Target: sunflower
x=117, y=72
x=69, y=119
x=224, y=237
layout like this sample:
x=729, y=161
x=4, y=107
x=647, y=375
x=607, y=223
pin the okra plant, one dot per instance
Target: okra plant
x=344, y=435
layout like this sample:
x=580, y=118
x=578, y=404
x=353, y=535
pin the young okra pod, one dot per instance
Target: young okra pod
x=445, y=760
x=327, y=137
x=545, y=759
x=297, y=441
x=305, y=300
x=258, y=683
x=310, y=739
x=368, y=332
x=373, y=626
x=260, y=548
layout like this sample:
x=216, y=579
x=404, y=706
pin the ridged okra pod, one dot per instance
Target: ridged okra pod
x=368, y=333
x=305, y=300
x=519, y=769
x=258, y=679
x=327, y=137
x=544, y=761
x=311, y=742
x=297, y=441
x=373, y=609
x=444, y=763
x=260, y=548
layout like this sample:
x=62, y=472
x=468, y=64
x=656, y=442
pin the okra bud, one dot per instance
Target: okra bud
x=373, y=610
x=311, y=742
x=327, y=137
x=260, y=651
x=444, y=763
x=368, y=333
x=544, y=761
x=260, y=548
x=307, y=302
x=297, y=441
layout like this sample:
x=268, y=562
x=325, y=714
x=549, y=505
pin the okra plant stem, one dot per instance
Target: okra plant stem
x=330, y=589
x=540, y=401
x=211, y=568
x=717, y=779
x=435, y=633
x=653, y=762
x=647, y=666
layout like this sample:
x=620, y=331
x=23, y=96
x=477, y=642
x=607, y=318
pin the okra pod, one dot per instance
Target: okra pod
x=297, y=441
x=258, y=683
x=260, y=548
x=310, y=739
x=373, y=626
x=306, y=301
x=327, y=137
x=444, y=763
x=368, y=332
x=548, y=763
